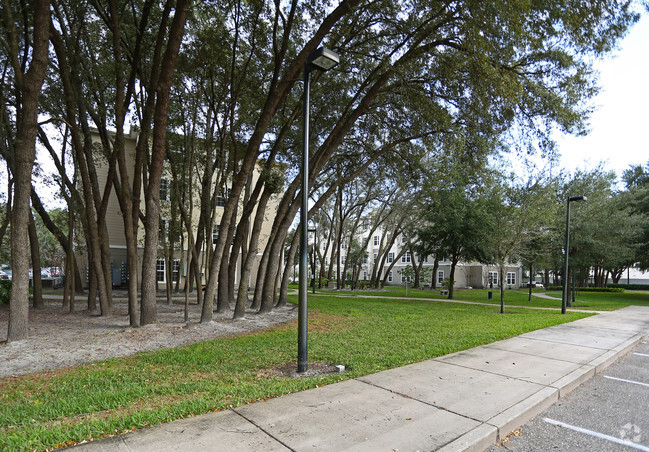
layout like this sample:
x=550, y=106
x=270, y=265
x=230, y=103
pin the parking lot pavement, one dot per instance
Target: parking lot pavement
x=607, y=413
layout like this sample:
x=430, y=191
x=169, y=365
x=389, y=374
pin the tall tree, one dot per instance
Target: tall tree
x=517, y=209
x=25, y=46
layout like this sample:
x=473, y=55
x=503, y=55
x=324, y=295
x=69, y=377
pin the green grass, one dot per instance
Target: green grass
x=605, y=301
x=597, y=301
x=367, y=335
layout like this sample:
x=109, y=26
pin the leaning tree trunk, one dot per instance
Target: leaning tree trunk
x=272, y=267
x=283, y=290
x=251, y=256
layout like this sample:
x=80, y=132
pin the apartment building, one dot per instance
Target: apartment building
x=117, y=240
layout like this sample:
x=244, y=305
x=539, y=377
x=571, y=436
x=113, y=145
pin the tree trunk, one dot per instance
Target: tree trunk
x=81, y=149
x=25, y=149
x=529, y=297
x=92, y=289
x=417, y=270
x=246, y=270
x=222, y=298
x=451, y=280
x=290, y=257
x=36, y=263
x=272, y=266
x=149, y=313
x=501, y=271
x=68, y=290
x=433, y=283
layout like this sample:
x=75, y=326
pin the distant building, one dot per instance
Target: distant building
x=633, y=275
x=467, y=274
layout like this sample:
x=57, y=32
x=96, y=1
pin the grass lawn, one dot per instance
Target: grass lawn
x=597, y=301
x=605, y=301
x=367, y=335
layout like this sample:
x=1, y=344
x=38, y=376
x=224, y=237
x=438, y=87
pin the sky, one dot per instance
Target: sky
x=619, y=128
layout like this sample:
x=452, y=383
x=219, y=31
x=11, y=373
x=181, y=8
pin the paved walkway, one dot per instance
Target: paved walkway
x=463, y=401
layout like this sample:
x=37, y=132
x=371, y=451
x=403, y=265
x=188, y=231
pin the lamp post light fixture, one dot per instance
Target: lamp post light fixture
x=322, y=59
x=564, y=298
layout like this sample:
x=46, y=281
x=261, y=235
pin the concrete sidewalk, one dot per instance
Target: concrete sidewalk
x=463, y=401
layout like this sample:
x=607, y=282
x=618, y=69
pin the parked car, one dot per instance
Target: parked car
x=4, y=276
x=536, y=285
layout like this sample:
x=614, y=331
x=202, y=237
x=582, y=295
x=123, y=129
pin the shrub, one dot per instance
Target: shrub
x=5, y=291
x=630, y=286
x=591, y=289
x=447, y=282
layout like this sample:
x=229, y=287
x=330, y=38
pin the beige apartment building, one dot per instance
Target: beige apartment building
x=117, y=240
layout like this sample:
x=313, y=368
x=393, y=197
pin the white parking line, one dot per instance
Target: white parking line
x=641, y=354
x=597, y=434
x=627, y=381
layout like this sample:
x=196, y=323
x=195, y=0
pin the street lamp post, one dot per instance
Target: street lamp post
x=322, y=59
x=564, y=298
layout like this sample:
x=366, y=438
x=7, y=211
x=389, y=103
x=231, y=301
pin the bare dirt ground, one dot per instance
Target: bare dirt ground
x=58, y=339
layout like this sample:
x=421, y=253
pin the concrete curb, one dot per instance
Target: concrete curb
x=504, y=424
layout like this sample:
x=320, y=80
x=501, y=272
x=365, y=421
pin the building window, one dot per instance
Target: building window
x=440, y=276
x=425, y=259
x=390, y=258
x=160, y=270
x=376, y=256
x=405, y=259
x=215, y=235
x=222, y=197
x=176, y=270
x=493, y=277
x=405, y=278
x=164, y=189
x=511, y=278
x=365, y=259
x=390, y=276
x=364, y=275
x=404, y=239
x=343, y=245
x=376, y=240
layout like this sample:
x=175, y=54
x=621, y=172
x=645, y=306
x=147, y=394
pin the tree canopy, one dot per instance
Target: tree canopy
x=418, y=82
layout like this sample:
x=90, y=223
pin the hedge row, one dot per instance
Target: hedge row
x=591, y=289
x=631, y=286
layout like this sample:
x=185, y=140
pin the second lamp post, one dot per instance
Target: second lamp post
x=564, y=298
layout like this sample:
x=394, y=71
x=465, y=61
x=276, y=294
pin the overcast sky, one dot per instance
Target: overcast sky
x=619, y=128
